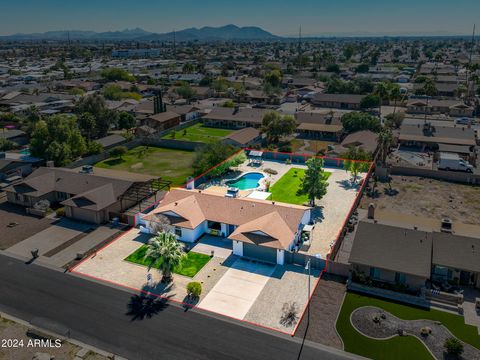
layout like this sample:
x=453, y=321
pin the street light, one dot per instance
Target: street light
x=309, y=267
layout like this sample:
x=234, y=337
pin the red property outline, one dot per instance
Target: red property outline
x=327, y=258
x=355, y=203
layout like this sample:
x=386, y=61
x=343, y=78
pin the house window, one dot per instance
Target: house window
x=374, y=273
x=400, y=278
x=178, y=231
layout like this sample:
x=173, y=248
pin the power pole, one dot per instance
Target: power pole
x=471, y=92
x=174, y=46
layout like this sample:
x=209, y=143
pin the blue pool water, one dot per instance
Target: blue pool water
x=247, y=181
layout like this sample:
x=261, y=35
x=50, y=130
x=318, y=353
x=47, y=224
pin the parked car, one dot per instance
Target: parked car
x=464, y=121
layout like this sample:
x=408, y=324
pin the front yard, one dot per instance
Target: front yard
x=285, y=189
x=190, y=266
x=170, y=164
x=404, y=347
x=198, y=133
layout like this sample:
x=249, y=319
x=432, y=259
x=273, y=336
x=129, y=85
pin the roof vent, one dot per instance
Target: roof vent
x=446, y=225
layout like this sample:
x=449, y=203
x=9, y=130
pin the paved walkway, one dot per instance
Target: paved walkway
x=332, y=211
x=324, y=308
x=88, y=242
x=221, y=247
x=50, y=238
x=470, y=313
x=288, y=284
x=238, y=289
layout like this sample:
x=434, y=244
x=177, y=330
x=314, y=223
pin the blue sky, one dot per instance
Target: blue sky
x=277, y=16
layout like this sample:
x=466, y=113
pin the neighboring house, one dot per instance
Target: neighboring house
x=429, y=136
x=12, y=168
x=258, y=229
x=365, y=140
x=455, y=108
x=318, y=126
x=111, y=141
x=235, y=118
x=244, y=137
x=337, y=101
x=186, y=112
x=86, y=197
x=158, y=122
x=17, y=136
x=408, y=250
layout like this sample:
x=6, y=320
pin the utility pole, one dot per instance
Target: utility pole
x=472, y=44
x=174, y=46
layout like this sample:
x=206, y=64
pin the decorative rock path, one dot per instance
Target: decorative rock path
x=379, y=324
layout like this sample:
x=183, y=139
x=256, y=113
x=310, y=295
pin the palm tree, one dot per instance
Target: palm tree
x=166, y=249
x=381, y=90
x=430, y=90
x=394, y=93
x=385, y=140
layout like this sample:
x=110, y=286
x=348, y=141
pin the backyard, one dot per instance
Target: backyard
x=198, y=133
x=397, y=347
x=285, y=189
x=170, y=164
x=191, y=264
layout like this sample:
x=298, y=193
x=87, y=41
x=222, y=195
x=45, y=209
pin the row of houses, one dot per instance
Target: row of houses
x=409, y=250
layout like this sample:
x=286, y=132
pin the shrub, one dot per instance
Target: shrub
x=194, y=289
x=271, y=171
x=453, y=346
x=60, y=212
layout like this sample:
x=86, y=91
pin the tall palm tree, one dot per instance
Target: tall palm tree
x=394, y=93
x=385, y=140
x=166, y=249
x=429, y=89
x=381, y=90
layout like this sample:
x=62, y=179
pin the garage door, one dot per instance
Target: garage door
x=260, y=252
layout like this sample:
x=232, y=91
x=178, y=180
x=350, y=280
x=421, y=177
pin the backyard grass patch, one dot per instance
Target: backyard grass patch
x=198, y=133
x=191, y=264
x=170, y=164
x=285, y=189
x=407, y=347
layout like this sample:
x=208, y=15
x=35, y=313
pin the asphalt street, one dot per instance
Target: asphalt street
x=134, y=327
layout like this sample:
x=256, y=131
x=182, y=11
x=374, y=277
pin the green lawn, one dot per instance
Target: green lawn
x=170, y=164
x=191, y=264
x=199, y=133
x=397, y=348
x=285, y=189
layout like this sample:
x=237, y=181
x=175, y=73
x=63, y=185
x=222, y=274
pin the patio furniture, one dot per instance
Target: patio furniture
x=477, y=304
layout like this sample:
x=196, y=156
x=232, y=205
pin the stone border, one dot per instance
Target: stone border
x=413, y=335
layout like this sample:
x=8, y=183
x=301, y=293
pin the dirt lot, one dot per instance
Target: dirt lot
x=12, y=330
x=27, y=225
x=427, y=197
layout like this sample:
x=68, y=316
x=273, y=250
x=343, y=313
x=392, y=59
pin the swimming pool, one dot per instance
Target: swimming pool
x=246, y=181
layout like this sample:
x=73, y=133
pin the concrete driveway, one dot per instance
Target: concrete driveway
x=236, y=292
x=52, y=237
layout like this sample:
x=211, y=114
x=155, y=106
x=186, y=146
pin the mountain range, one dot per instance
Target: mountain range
x=222, y=33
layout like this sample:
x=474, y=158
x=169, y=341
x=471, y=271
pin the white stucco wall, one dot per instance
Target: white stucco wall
x=189, y=235
x=280, y=256
x=237, y=248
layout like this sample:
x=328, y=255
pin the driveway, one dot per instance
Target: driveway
x=236, y=292
x=51, y=238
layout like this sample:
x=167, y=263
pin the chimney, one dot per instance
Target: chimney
x=446, y=225
x=371, y=211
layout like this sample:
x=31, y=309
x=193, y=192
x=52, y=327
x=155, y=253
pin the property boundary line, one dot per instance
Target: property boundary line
x=178, y=302
x=327, y=259
x=292, y=334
